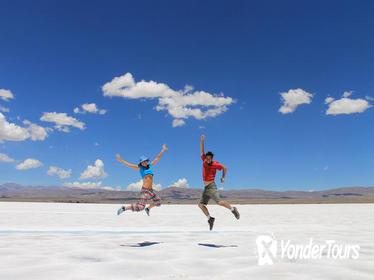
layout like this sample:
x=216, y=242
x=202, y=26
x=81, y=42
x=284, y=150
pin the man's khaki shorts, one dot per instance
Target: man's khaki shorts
x=210, y=192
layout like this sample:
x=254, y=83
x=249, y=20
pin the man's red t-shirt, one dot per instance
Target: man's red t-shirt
x=209, y=170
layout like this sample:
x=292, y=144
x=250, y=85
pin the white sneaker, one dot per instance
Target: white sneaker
x=122, y=209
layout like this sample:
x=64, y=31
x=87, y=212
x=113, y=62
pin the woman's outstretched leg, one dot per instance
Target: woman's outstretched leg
x=136, y=207
x=156, y=201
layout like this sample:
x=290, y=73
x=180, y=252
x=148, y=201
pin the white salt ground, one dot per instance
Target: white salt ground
x=89, y=241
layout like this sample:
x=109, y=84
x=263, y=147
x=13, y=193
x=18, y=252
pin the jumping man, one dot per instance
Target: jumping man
x=147, y=193
x=210, y=190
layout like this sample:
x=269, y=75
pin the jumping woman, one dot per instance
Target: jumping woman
x=147, y=193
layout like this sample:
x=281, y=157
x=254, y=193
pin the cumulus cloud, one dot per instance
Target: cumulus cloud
x=29, y=164
x=11, y=131
x=62, y=121
x=94, y=172
x=63, y=174
x=181, y=183
x=3, y=109
x=6, y=94
x=294, y=98
x=138, y=186
x=14, y=132
x=5, y=158
x=90, y=108
x=84, y=185
x=180, y=104
x=346, y=105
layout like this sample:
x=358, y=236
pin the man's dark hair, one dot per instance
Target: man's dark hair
x=209, y=154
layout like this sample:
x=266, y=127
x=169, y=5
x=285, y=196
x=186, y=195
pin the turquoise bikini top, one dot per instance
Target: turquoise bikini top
x=144, y=171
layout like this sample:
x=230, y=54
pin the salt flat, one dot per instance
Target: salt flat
x=89, y=241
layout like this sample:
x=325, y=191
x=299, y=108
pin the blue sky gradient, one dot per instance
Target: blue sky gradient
x=57, y=55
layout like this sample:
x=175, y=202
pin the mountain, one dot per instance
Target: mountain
x=15, y=192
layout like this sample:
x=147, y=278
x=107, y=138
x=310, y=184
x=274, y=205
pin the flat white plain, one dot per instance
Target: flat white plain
x=89, y=241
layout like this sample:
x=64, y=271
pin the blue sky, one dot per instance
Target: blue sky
x=57, y=55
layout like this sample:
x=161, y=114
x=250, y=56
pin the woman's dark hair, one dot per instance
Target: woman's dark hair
x=209, y=154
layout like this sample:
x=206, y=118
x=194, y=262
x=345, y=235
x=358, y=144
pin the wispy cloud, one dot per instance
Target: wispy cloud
x=5, y=158
x=6, y=94
x=29, y=164
x=62, y=121
x=89, y=108
x=63, y=174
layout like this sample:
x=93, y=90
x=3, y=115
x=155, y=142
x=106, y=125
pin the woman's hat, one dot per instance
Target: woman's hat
x=143, y=158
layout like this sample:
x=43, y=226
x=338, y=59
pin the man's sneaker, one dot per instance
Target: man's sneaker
x=146, y=210
x=122, y=209
x=211, y=223
x=236, y=213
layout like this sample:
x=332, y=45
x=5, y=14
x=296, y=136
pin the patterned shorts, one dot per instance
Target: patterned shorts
x=145, y=196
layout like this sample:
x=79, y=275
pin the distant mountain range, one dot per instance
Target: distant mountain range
x=15, y=192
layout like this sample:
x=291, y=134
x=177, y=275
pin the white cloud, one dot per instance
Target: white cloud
x=347, y=105
x=36, y=132
x=294, y=98
x=369, y=98
x=62, y=121
x=108, y=188
x=11, y=131
x=347, y=93
x=6, y=94
x=5, y=158
x=90, y=108
x=28, y=164
x=329, y=100
x=63, y=174
x=177, y=122
x=94, y=172
x=3, y=109
x=181, y=183
x=180, y=104
x=138, y=186
x=84, y=185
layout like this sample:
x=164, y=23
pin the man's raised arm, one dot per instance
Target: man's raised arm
x=202, y=144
